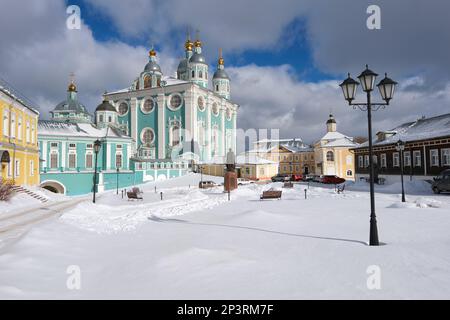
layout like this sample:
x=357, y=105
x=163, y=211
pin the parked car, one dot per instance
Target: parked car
x=442, y=182
x=332, y=180
x=207, y=184
x=317, y=178
x=280, y=178
x=297, y=177
x=308, y=177
x=244, y=181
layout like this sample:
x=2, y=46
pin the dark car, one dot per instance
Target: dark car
x=442, y=182
x=280, y=178
x=308, y=177
x=296, y=177
x=332, y=180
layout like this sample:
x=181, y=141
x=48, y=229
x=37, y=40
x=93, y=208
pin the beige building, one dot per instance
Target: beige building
x=333, y=155
x=292, y=156
x=248, y=166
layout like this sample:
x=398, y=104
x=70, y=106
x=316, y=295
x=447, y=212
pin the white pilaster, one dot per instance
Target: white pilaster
x=63, y=154
x=223, y=151
x=134, y=113
x=44, y=153
x=161, y=135
x=208, y=131
x=108, y=156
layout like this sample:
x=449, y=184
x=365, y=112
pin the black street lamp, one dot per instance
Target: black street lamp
x=401, y=147
x=117, y=180
x=387, y=88
x=97, y=145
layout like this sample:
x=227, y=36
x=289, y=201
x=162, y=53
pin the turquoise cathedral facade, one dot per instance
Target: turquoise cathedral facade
x=156, y=129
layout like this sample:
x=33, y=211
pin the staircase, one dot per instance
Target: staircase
x=20, y=189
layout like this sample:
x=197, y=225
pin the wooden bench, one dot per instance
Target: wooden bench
x=288, y=184
x=271, y=194
x=133, y=196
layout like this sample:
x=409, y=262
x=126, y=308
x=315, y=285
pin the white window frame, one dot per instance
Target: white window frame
x=28, y=132
x=6, y=123
x=17, y=168
x=89, y=153
x=68, y=160
x=407, y=158
x=20, y=128
x=13, y=125
x=445, y=155
x=33, y=132
x=434, y=155
x=57, y=159
x=415, y=162
x=121, y=160
x=366, y=161
x=396, y=160
x=383, y=160
x=361, y=161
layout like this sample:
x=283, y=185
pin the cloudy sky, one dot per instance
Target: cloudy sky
x=286, y=57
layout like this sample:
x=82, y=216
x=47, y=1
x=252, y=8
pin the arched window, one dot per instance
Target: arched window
x=137, y=85
x=330, y=156
x=200, y=74
x=147, y=82
x=123, y=108
x=217, y=87
x=158, y=82
x=147, y=136
x=193, y=73
x=349, y=173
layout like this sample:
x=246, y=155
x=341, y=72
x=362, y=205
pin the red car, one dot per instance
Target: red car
x=296, y=177
x=332, y=180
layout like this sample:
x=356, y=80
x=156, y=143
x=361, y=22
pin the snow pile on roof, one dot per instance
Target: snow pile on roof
x=421, y=129
x=68, y=129
x=166, y=81
x=294, y=145
x=337, y=139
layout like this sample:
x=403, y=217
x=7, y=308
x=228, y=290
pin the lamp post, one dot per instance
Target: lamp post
x=386, y=88
x=117, y=180
x=401, y=147
x=97, y=145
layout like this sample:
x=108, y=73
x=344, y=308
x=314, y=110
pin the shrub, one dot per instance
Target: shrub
x=6, y=189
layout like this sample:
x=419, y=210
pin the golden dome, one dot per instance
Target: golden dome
x=198, y=43
x=221, y=61
x=72, y=87
x=188, y=45
x=152, y=53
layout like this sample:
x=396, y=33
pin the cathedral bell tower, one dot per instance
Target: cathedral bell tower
x=221, y=81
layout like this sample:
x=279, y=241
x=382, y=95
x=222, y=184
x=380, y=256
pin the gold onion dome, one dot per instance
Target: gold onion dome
x=188, y=45
x=152, y=53
x=72, y=87
x=198, y=43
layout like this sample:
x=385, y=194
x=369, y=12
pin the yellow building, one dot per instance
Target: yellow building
x=19, y=152
x=291, y=155
x=333, y=155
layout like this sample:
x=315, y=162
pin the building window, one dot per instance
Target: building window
x=53, y=160
x=200, y=74
x=123, y=109
x=72, y=145
x=148, y=106
x=89, y=146
x=72, y=160
x=383, y=160
x=19, y=128
x=261, y=171
x=89, y=160
x=217, y=87
x=31, y=168
x=434, y=158
x=330, y=156
x=215, y=109
x=5, y=123
x=247, y=170
x=28, y=132
x=147, y=82
x=360, y=161
x=446, y=157
x=54, y=144
x=175, y=101
x=175, y=135
x=147, y=136
x=201, y=103
x=396, y=159
x=366, y=161
x=33, y=134
x=407, y=158
x=349, y=173
x=109, y=119
x=100, y=118
x=118, y=160
x=417, y=159
x=193, y=73
x=13, y=125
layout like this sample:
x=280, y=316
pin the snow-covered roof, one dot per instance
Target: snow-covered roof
x=68, y=129
x=336, y=139
x=294, y=145
x=421, y=129
x=17, y=97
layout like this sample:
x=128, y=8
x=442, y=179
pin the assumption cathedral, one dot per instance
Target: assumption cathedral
x=156, y=129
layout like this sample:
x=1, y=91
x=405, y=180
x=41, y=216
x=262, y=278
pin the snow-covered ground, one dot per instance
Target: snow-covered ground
x=195, y=244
